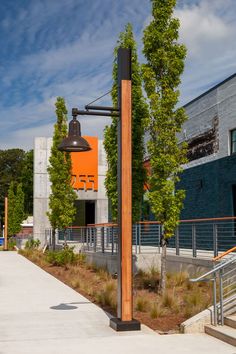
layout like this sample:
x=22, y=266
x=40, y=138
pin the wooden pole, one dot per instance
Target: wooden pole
x=124, y=320
x=126, y=206
x=6, y=225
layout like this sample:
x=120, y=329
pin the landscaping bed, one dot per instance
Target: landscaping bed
x=163, y=313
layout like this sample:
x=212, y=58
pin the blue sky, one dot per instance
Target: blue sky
x=53, y=48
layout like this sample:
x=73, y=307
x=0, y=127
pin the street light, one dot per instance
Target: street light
x=74, y=142
x=124, y=320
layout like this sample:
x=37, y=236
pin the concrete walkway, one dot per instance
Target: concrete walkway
x=39, y=314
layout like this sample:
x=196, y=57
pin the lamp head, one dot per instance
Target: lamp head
x=74, y=142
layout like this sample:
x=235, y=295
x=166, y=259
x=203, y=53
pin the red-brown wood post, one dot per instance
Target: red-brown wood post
x=124, y=320
x=6, y=225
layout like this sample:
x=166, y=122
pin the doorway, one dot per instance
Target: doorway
x=85, y=212
x=89, y=212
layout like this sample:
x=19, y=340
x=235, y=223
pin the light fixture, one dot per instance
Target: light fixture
x=74, y=141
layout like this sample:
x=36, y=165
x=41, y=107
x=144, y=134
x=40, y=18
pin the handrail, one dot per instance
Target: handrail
x=214, y=270
x=210, y=219
x=180, y=221
x=224, y=254
x=102, y=224
x=218, y=274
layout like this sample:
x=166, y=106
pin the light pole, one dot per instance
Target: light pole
x=5, y=248
x=124, y=320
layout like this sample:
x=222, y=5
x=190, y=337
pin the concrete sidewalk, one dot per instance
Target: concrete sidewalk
x=39, y=314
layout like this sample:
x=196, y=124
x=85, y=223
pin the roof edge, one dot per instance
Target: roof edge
x=211, y=89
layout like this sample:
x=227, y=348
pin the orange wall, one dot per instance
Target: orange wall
x=85, y=167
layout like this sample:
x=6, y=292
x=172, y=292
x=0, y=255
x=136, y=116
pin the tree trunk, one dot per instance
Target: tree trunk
x=163, y=266
x=53, y=239
x=65, y=238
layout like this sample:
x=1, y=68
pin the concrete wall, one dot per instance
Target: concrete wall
x=42, y=150
x=194, y=266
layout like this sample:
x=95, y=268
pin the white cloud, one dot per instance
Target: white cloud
x=75, y=61
x=208, y=30
x=24, y=138
x=202, y=29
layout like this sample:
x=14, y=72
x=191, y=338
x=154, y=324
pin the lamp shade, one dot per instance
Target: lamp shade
x=74, y=142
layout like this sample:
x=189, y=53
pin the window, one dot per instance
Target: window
x=233, y=141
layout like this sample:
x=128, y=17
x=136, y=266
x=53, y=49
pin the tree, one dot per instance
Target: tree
x=11, y=165
x=27, y=181
x=62, y=197
x=15, y=208
x=139, y=116
x=161, y=74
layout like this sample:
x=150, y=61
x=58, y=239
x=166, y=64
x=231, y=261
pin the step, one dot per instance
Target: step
x=230, y=321
x=224, y=333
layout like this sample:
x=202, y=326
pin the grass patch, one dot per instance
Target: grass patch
x=142, y=304
x=157, y=310
x=107, y=295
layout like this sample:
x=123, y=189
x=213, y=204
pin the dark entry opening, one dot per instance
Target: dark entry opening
x=89, y=212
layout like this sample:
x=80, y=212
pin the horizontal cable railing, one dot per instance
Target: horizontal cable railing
x=196, y=238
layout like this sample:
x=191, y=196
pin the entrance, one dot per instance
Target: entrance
x=89, y=212
x=85, y=212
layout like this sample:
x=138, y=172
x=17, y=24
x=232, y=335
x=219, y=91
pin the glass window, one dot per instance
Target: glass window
x=233, y=141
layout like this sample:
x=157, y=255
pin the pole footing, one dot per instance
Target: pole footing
x=118, y=325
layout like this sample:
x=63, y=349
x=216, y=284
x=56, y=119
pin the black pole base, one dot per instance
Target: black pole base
x=118, y=325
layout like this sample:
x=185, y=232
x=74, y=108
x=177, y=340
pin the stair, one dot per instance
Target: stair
x=226, y=333
x=230, y=321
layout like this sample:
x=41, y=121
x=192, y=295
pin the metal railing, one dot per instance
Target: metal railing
x=223, y=277
x=205, y=238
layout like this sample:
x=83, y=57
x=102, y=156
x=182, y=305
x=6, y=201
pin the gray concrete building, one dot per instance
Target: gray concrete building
x=210, y=176
x=92, y=203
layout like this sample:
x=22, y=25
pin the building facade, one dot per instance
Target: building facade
x=88, y=175
x=210, y=176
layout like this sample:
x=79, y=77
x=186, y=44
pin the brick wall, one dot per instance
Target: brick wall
x=209, y=189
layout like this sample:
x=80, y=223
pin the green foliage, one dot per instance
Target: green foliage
x=139, y=118
x=165, y=64
x=15, y=208
x=63, y=257
x=62, y=197
x=27, y=181
x=11, y=244
x=32, y=244
x=11, y=202
x=16, y=166
x=11, y=164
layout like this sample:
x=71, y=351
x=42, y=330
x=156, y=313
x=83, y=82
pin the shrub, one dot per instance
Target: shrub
x=11, y=244
x=157, y=311
x=32, y=244
x=107, y=296
x=169, y=300
x=180, y=278
x=142, y=304
x=63, y=257
x=75, y=283
x=147, y=280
